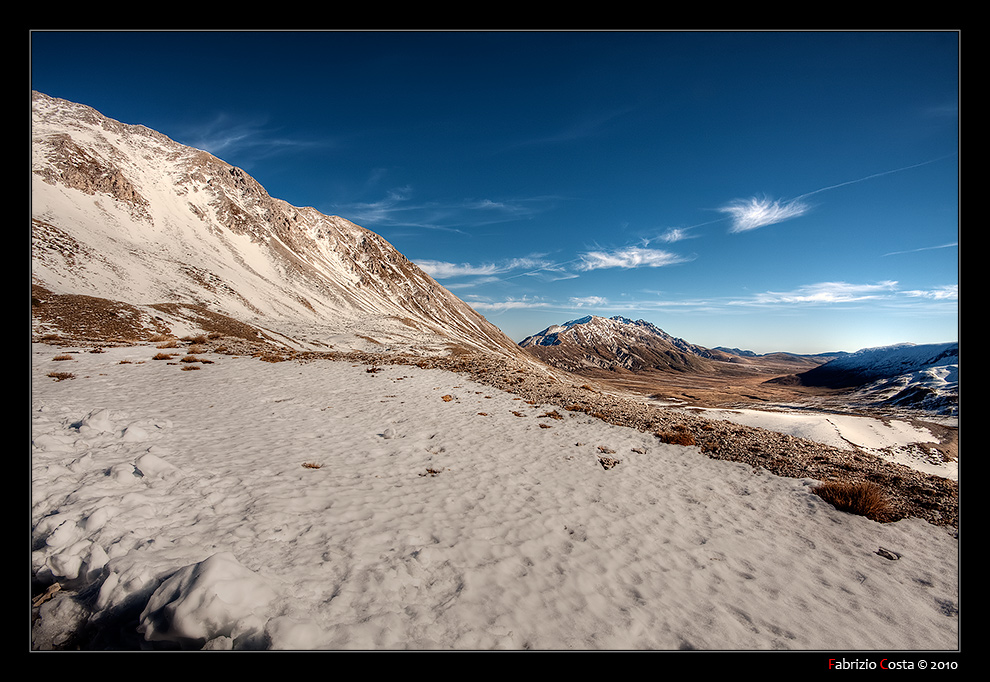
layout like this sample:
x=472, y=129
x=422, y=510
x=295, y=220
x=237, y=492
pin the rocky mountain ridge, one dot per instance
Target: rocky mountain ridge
x=618, y=343
x=123, y=213
x=919, y=376
x=618, y=349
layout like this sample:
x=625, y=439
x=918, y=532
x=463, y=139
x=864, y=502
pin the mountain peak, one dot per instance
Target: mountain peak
x=616, y=343
x=122, y=212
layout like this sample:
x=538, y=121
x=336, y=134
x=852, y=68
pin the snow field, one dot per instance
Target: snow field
x=175, y=510
x=891, y=439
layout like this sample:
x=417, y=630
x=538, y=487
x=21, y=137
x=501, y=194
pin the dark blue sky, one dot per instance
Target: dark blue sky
x=774, y=191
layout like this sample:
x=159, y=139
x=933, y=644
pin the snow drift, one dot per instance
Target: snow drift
x=252, y=505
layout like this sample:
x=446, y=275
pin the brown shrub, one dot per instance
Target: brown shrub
x=857, y=497
x=61, y=376
x=679, y=436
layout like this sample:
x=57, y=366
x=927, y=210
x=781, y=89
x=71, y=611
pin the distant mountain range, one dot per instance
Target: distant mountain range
x=913, y=376
x=621, y=344
x=922, y=376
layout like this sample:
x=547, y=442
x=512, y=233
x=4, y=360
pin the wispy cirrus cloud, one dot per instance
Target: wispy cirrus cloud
x=444, y=269
x=828, y=292
x=225, y=136
x=673, y=235
x=399, y=208
x=531, y=266
x=590, y=125
x=510, y=304
x=754, y=213
x=628, y=257
x=945, y=293
x=588, y=301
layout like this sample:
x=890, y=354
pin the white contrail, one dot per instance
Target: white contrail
x=755, y=213
x=870, y=177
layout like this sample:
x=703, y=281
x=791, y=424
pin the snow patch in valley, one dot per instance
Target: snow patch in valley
x=892, y=439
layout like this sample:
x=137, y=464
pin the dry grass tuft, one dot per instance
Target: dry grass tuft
x=162, y=356
x=63, y=356
x=269, y=357
x=679, y=436
x=311, y=465
x=859, y=497
x=61, y=376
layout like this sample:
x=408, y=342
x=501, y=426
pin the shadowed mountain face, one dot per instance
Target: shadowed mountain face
x=876, y=364
x=922, y=377
x=121, y=212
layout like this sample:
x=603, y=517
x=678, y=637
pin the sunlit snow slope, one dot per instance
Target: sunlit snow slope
x=123, y=212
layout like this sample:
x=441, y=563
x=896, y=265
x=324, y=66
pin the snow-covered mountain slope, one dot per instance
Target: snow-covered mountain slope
x=618, y=343
x=122, y=212
x=922, y=376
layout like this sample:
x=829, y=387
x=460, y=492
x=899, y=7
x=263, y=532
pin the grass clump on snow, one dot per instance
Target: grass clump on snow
x=859, y=497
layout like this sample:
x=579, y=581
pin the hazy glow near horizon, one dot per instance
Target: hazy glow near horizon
x=767, y=191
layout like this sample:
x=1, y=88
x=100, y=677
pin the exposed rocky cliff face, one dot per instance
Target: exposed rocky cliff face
x=124, y=213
